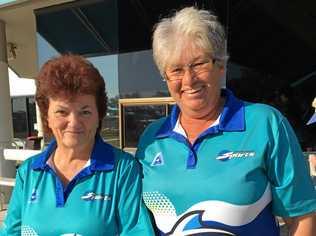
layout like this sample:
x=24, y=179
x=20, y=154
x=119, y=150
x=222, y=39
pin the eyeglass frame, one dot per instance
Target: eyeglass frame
x=190, y=67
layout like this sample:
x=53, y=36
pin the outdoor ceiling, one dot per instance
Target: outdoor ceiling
x=271, y=36
x=86, y=27
x=276, y=37
x=109, y=26
x=21, y=31
x=266, y=35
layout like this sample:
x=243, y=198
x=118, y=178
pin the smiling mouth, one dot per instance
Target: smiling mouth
x=193, y=91
x=74, y=132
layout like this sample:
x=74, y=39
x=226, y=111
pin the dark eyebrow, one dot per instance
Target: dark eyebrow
x=84, y=107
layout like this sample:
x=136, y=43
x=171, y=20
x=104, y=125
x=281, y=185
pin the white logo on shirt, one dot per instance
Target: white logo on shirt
x=91, y=196
x=158, y=160
x=34, y=196
x=227, y=155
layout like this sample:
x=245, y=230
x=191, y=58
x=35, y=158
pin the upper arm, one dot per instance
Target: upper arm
x=292, y=190
x=302, y=225
x=132, y=213
x=12, y=221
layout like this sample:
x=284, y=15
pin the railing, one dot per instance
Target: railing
x=18, y=155
x=311, y=160
x=15, y=153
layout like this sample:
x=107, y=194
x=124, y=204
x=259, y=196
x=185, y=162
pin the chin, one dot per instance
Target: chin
x=73, y=143
x=195, y=105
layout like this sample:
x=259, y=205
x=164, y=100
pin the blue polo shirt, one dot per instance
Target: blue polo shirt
x=232, y=180
x=104, y=198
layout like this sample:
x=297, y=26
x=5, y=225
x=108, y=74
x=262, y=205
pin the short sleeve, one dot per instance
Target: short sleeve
x=293, y=193
x=12, y=222
x=133, y=215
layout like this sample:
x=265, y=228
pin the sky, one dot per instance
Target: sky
x=107, y=65
x=6, y=1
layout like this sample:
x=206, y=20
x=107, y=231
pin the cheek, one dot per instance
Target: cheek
x=50, y=119
x=213, y=83
x=56, y=123
x=174, y=88
x=94, y=123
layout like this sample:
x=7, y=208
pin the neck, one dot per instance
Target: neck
x=194, y=125
x=69, y=162
x=68, y=155
x=203, y=117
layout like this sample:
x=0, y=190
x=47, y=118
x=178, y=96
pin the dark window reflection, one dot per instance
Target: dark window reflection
x=292, y=98
x=137, y=118
x=139, y=77
x=24, y=117
x=31, y=114
x=169, y=108
x=19, y=116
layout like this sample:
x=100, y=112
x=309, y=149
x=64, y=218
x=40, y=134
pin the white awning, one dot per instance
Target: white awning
x=20, y=86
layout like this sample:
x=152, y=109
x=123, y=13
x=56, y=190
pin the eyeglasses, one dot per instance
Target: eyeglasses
x=177, y=73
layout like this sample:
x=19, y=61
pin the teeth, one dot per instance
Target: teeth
x=191, y=91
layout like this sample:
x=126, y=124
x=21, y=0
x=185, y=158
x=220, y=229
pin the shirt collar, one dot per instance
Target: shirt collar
x=232, y=117
x=102, y=156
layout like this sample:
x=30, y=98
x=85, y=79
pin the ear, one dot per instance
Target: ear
x=47, y=118
x=47, y=121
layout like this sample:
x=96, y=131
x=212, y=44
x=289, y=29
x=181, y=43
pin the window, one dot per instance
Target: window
x=136, y=114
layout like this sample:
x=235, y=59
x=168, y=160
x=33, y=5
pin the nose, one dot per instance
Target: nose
x=189, y=76
x=74, y=119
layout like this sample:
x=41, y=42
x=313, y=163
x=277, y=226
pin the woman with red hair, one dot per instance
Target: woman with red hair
x=79, y=185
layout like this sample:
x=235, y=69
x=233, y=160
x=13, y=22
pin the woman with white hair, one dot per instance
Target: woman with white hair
x=217, y=164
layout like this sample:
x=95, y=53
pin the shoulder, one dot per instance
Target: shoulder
x=26, y=164
x=268, y=121
x=121, y=159
x=152, y=129
x=261, y=108
x=260, y=112
x=126, y=165
x=122, y=156
x=149, y=137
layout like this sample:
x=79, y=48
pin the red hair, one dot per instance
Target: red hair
x=67, y=76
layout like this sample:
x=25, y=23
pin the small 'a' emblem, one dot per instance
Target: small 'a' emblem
x=158, y=160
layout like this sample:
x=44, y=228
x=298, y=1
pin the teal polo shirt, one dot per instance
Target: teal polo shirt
x=232, y=180
x=104, y=198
